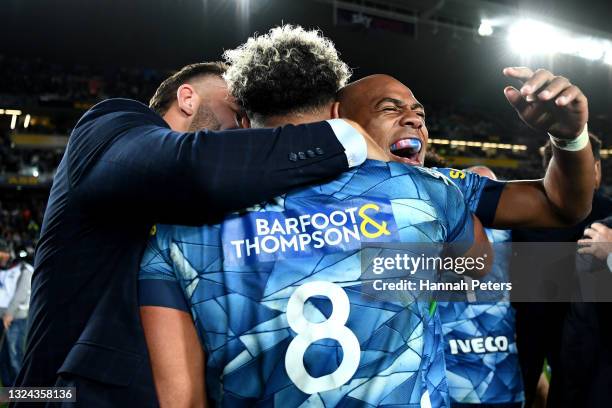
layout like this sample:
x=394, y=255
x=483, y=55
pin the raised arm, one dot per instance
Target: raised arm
x=550, y=104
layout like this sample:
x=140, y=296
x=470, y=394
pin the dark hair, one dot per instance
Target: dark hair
x=287, y=70
x=166, y=92
x=546, y=150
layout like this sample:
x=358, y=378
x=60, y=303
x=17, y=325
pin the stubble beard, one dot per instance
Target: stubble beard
x=204, y=119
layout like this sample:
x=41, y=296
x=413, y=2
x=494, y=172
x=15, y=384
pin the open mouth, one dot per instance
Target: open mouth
x=407, y=150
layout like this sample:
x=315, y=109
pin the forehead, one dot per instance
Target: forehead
x=389, y=89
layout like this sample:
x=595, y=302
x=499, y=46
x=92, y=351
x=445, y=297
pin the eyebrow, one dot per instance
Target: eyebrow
x=399, y=102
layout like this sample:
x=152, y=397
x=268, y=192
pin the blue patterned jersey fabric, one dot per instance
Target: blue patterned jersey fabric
x=276, y=293
x=481, y=193
x=481, y=357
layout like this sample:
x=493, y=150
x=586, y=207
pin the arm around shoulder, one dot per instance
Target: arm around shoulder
x=191, y=178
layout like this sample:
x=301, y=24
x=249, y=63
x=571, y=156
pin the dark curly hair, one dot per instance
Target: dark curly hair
x=287, y=70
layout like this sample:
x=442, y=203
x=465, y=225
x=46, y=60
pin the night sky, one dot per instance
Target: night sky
x=438, y=66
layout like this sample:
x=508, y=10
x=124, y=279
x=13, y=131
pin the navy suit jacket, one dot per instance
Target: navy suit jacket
x=124, y=170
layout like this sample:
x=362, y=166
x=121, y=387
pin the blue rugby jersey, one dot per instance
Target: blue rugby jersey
x=481, y=193
x=482, y=363
x=276, y=292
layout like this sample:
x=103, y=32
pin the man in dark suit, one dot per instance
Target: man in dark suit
x=585, y=377
x=126, y=168
x=540, y=326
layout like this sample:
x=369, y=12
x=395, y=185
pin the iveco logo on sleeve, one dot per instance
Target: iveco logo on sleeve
x=479, y=345
x=312, y=228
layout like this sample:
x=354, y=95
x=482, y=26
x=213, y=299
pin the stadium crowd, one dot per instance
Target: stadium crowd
x=61, y=85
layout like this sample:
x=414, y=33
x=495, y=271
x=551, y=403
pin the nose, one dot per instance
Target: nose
x=413, y=120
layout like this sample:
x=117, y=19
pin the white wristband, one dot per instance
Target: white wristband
x=573, y=145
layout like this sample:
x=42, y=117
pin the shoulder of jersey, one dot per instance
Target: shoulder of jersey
x=161, y=232
x=452, y=173
x=434, y=174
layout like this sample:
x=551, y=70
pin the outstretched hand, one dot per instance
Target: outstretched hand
x=547, y=102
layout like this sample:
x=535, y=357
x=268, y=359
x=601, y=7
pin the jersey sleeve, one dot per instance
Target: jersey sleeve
x=481, y=193
x=158, y=284
x=459, y=218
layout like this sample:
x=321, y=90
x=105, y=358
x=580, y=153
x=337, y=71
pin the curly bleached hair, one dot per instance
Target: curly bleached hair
x=288, y=70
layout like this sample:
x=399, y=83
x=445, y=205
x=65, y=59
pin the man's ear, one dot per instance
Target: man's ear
x=597, y=173
x=187, y=99
x=335, y=110
x=245, y=122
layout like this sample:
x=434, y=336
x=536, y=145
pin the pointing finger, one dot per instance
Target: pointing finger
x=522, y=73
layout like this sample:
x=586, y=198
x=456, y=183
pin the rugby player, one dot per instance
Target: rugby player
x=280, y=311
x=396, y=120
x=482, y=363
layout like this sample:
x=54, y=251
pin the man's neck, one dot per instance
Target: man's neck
x=176, y=121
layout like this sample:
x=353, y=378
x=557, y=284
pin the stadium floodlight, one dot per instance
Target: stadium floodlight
x=608, y=57
x=607, y=53
x=486, y=28
x=590, y=48
x=528, y=37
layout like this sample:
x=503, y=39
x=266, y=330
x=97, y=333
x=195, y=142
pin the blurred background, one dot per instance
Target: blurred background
x=59, y=58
